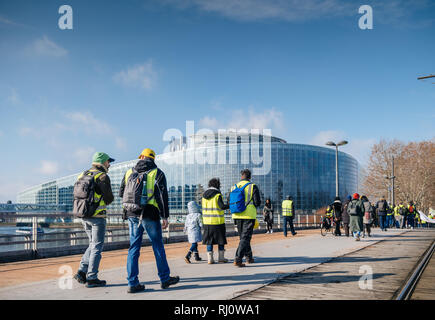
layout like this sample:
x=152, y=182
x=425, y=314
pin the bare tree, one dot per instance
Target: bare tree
x=414, y=172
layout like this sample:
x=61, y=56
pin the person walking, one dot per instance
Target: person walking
x=356, y=213
x=144, y=211
x=411, y=214
x=390, y=216
x=336, y=210
x=213, y=216
x=192, y=226
x=268, y=216
x=345, y=216
x=397, y=219
x=288, y=211
x=244, y=199
x=93, y=216
x=403, y=212
x=381, y=208
x=368, y=215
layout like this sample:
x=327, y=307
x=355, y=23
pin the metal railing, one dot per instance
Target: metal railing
x=117, y=232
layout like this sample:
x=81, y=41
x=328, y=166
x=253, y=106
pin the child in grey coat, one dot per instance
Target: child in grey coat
x=192, y=226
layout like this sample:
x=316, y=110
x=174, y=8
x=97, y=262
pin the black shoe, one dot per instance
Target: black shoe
x=95, y=283
x=170, y=282
x=197, y=257
x=136, y=288
x=295, y=233
x=80, y=277
x=187, y=257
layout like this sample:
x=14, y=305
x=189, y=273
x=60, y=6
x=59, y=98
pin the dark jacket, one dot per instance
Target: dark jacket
x=336, y=208
x=344, y=215
x=103, y=185
x=383, y=212
x=211, y=192
x=256, y=200
x=268, y=212
x=160, y=192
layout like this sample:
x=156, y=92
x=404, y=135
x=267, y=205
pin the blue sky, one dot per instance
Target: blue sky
x=130, y=70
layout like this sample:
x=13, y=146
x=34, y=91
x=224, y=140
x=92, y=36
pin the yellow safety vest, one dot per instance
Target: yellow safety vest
x=151, y=181
x=98, y=198
x=396, y=211
x=329, y=213
x=287, y=208
x=211, y=213
x=251, y=211
x=413, y=213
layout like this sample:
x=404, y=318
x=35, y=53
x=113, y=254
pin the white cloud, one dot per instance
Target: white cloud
x=83, y=155
x=48, y=167
x=358, y=148
x=14, y=98
x=140, y=76
x=120, y=143
x=46, y=47
x=246, y=119
x=86, y=122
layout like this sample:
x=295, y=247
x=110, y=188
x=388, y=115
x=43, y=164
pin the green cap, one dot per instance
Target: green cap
x=101, y=157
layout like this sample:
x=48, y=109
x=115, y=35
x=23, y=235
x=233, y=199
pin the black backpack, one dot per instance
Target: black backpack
x=402, y=211
x=135, y=196
x=84, y=204
x=352, y=208
x=381, y=206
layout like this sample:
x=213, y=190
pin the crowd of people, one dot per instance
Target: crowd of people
x=144, y=195
x=358, y=215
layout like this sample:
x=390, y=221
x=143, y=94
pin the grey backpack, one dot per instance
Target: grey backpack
x=84, y=204
x=352, y=208
x=135, y=195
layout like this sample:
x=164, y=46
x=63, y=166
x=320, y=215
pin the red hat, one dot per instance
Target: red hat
x=356, y=196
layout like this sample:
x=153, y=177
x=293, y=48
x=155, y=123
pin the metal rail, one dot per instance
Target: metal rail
x=408, y=289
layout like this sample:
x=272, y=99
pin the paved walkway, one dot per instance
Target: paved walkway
x=275, y=256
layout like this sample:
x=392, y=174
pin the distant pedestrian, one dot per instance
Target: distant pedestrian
x=381, y=208
x=368, y=215
x=356, y=213
x=213, y=219
x=244, y=199
x=288, y=214
x=390, y=216
x=411, y=214
x=345, y=216
x=268, y=215
x=403, y=212
x=337, y=212
x=192, y=226
x=144, y=197
x=93, y=215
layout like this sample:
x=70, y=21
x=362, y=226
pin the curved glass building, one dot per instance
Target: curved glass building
x=305, y=172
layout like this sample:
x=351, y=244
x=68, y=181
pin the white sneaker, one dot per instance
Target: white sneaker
x=271, y=231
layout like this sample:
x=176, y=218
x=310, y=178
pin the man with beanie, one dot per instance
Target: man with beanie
x=146, y=217
x=356, y=213
x=95, y=226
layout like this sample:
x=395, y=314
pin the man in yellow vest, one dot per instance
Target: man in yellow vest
x=95, y=226
x=146, y=217
x=245, y=220
x=288, y=215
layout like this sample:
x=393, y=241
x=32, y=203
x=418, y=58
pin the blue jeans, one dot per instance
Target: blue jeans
x=154, y=231
x=95, y=229
x=389, y=221
x=220, y=247
x=288, y=220
x=411, y=220
x=383, y=222
x=194, y=247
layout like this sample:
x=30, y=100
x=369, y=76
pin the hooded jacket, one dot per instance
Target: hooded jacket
x=160, y=192
x=211, y=192
x=336, y=208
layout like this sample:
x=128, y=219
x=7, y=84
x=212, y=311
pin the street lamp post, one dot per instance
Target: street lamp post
x=393, y=200
x=336, y=145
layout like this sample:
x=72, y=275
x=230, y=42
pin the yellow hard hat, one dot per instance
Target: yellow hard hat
x=148, y=153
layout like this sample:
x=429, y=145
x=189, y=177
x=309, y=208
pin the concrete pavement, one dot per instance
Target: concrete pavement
x=273, y=259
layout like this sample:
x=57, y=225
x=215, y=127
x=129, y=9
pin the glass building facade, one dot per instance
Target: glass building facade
x=305, y=172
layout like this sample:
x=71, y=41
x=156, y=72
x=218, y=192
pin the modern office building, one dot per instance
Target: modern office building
x=305, y=172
